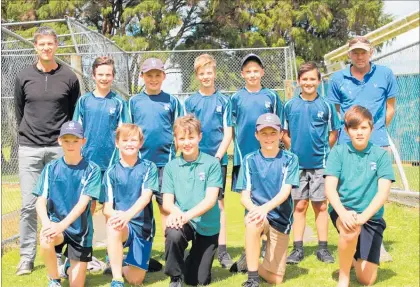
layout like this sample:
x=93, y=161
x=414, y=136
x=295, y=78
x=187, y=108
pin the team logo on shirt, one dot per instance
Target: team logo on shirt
x=167, y=107
x=267, y=104
x=375, y=85
x=372, y=165
x=202, y=176
x=320, y=114
x=219, y=109
x=112, y=111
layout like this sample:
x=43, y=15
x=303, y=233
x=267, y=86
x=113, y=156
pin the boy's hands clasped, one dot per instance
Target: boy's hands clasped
x=120, y=219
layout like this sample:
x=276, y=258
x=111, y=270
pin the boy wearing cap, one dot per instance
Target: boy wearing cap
x=191, y=184
x=247, y=105
x=310, y=115
x=212, y=110
x=65, y=190
x=357, y=184
x=155, y=112
x=265, y=180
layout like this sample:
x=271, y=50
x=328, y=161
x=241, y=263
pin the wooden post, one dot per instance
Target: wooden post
x=289, y=89
x=76, y=64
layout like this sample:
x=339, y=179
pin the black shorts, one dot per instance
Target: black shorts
x=159, y=195
x=235, y=174
x=370, y=239
x=222, y=190
x=74, y=251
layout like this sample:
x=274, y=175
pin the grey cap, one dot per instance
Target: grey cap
x=268, y=120
x=72, y=128
x=152, y=64
x=251, y=57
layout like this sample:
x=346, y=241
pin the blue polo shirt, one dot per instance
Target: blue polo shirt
x=309, y=124
x=62, y=185
x=100, y=118
x=264, y=178
x=246, y=108
x=156, y=114
x=377, y=86
x=214, y=114
x=123, y=186
x=358, y=173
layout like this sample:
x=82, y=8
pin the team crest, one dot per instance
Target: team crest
x=372, y=165
x=167, y=107
x=71, y=125
x=320, y=114
x=219, y=109
x=111, y=111
x=267, y=104
x=202, y=176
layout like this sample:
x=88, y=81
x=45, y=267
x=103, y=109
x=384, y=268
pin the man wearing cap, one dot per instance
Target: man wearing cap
x=266, y=178
x=369, y=85
x=45, y=95
x=64, y=193
x=155, y=112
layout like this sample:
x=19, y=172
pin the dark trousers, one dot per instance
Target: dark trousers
x=196, y=268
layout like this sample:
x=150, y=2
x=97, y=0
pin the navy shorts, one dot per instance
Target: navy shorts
x=370, y=239
x=235, y=175
x=139, y=250
x=74, y=251
x=222, y=190
x=159, y=195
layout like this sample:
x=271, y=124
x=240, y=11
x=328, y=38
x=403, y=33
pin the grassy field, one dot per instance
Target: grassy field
x=401, y=239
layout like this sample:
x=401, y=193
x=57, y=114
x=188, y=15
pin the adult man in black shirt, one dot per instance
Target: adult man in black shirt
x=45, y=96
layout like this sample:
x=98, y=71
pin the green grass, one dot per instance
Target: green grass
x=413, y=177
x=401, y=239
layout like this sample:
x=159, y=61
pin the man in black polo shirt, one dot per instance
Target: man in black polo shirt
x=45, y=96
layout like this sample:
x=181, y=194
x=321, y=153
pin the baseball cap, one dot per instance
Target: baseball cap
x=152, y=64
x=359, y=43
x=72, y=128
x=251, y=57
x=268, y=120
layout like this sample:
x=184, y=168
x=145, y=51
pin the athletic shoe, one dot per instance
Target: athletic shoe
x=251, y=283
x=384, y=256
x=54, y=283
x=225, y=260
x=296, y=256
x=325, y=256
x=176, y=282
x=154, y=265
x=240, y=265
x=62, y=270
x=107, y=268
x=24, y=267
x=117, y=283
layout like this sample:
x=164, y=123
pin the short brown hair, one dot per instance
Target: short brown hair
x=204, y=60
x=45, y=31
x=187, y=123
x=129, y=130
x=356, y=115
x=103, y=60
x=308, y=66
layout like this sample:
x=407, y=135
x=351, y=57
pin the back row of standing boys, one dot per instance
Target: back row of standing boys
x=188, y=187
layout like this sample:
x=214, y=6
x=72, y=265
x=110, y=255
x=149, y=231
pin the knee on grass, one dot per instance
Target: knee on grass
x=134, y=275
x=270, y=277
x=366, y=272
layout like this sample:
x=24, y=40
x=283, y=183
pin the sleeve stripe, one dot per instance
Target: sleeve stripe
x=129, y=110
x=329, y=116
x=109, y=187
x=248, y=174
x=121, y=112
x=87, y=180
x=46, y=183
x=146, y=178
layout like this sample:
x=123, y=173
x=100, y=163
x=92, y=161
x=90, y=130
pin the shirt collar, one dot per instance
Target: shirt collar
x=183, y=162
x=279, y=154
x=366, y=150
x=347, y=71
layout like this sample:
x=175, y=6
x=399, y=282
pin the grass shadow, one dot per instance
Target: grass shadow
x=384, y=274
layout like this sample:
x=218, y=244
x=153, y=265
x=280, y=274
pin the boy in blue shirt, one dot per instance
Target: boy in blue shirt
x=211, y=108
x=65, y=190
x=265, y=181
x=155, y=112
x=357, y=184
x=247, y=105
x=128, y=188
x=311, y=126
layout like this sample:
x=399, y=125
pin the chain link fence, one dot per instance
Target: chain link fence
x=78, y=48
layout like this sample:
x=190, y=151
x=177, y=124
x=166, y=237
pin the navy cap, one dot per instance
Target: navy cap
x=152, y=64
x=72, y=128
x=268, y=120
x=251, y=57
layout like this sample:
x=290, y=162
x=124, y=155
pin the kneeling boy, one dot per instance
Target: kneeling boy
x=265, y=180
x=65, y=190
x=128, y=187
x=190, y=189
x=357, y=184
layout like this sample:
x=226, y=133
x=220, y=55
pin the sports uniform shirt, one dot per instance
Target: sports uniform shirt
x=264, y=178
x=213, y=113
x=62, y=185
x=123, y=186
x=44, y=101
x=309, y=124
x=100, y=118
x=156, y=114
x=246, y=108
x=358, y=173
x=377, y=86
x=188, y=182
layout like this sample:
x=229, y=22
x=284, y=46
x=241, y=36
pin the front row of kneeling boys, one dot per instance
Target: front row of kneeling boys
x=190, y=188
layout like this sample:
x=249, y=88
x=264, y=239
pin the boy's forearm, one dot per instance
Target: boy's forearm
x=246, y=200
x=41, y=209
x=108, y=210
x=141, y=203
x=280, y=197
x=286, y=140
x=332, y=138
x=205, y=205
x=76, y=211
x=331, y=183
x=384, y=187
x=224, y=145
x=169, y=203
x=390, y=111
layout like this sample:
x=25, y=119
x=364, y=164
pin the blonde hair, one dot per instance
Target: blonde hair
x=204, y=60
x=356, y=115
x=128, y=130
x=187, y=123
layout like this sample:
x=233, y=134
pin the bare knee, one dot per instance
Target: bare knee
x=320, y=206
x=366, y=272
x=366, y=280
x=253, y=228
x=301, y=206
x=134, y=276
x=349, y=235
